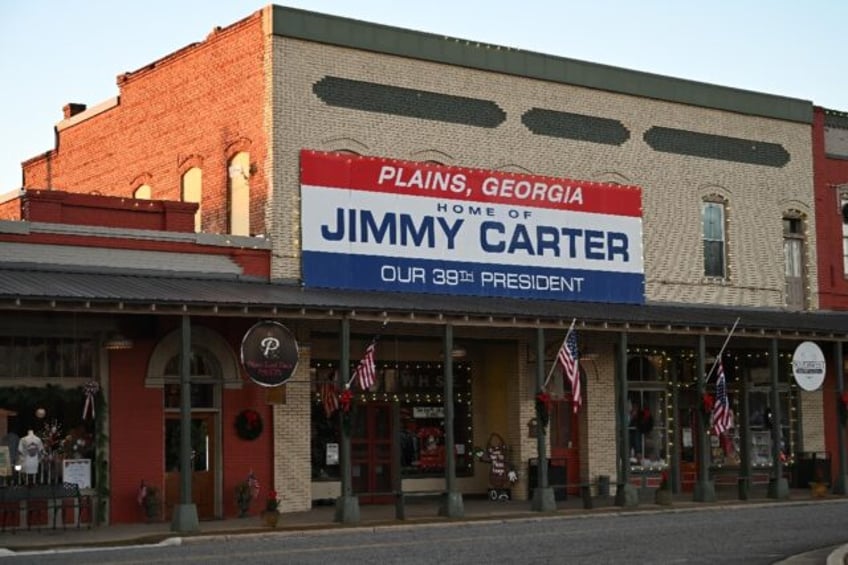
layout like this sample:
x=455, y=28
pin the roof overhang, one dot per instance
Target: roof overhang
x=167, y=295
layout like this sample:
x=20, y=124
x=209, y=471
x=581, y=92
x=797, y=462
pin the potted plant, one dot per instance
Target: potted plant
x=148, y=500
x=271, y=514
x=245, y=492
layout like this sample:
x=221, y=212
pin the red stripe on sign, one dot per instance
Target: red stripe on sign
x=393, y=176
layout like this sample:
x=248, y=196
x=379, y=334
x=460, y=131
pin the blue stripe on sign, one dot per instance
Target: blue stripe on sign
x=393, y=274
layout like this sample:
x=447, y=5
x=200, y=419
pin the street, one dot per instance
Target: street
x=743, y=534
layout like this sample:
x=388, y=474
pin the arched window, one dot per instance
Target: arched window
x=143, y=192
x=239, y=193
x=713, y=212
x=192, y=191
x=793, y=259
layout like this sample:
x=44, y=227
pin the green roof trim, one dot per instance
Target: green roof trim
x=357, y=34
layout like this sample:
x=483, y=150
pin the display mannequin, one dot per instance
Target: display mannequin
x=30, y=452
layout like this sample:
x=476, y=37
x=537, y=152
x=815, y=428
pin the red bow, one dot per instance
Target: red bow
x=545, y=399
x=345, y=399
x=709, y=401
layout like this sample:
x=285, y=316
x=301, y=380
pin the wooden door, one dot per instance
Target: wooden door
x=565, y=446
x=372, y=467
x=203, y=442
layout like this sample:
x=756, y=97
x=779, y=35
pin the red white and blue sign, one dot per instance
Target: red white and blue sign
x=371, y=223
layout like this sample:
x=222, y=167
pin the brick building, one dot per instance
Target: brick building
x=695, y=204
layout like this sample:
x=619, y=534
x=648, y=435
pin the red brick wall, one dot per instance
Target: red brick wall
x=61, y=207
x=136, y=444
x=136, y=441
x=11, y=209
x=201, y=104
x=833, y=285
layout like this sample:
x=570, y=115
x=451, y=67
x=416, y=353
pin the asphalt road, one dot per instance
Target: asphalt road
x=744, y=534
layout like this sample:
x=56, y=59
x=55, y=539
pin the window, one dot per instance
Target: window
x=239, y=196
x=647, y=426
x=714, y=239
x=417, y=388
x=143, y=192
x=793, y=261
x=843, y=203
x=51, y=358
x=192, y=191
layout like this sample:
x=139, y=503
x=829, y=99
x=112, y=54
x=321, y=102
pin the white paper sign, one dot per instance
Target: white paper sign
x=77, y=471
x=332, y=454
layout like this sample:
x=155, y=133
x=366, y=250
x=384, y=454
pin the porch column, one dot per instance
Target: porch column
x=543, y=495
x=704, y=487
x=778, y=485
x=675, y=431
x=743, y=422
x=452, y=504
x=625, y=494
x=185, y=513
x=347, y=505
x=840, y=483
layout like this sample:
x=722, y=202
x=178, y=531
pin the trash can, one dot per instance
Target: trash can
x=603, y=485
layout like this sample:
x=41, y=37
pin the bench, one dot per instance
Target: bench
x=35, y=503
x=402, y=496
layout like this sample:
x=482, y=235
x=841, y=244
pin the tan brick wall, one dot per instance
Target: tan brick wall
x=673, y=185
x=811, y=405
x=292, y=448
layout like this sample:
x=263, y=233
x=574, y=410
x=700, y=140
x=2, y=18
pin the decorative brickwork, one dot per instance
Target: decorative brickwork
x=575, y=126
x=720, y=147
x=373, y=97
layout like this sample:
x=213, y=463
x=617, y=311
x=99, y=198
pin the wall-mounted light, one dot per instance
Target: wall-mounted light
x=117, y=341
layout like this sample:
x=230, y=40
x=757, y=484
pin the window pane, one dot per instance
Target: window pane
x=714, y=258
x=713, y=221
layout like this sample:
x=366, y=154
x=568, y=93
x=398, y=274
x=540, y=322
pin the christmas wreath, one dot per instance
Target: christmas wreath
x=543, y=407
x=248, y=424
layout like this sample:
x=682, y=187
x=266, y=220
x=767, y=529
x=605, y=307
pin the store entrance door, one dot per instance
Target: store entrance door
x=372, y=467
x=565, y=447
x=202, y=464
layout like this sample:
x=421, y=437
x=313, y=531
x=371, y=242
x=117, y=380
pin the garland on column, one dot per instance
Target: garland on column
x=543, y=408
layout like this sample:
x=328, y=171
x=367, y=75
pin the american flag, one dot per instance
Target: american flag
x=329, y=397
x=568, y=359
x=721, y=418
x=366, y=372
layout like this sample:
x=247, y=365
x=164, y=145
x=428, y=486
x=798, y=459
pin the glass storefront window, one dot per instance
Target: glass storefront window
x=416, y=388
x=46, y=357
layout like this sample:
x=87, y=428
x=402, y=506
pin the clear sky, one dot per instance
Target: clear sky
x=57, y=51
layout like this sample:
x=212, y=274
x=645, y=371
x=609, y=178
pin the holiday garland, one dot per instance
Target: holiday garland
x=248, y=424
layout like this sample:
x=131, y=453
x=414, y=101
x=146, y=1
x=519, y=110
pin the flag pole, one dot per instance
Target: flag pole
x=373, y=340
x=551, y=372
x=721, y=351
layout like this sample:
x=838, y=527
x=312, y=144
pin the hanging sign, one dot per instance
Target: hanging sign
x=269, y=353
x=808, y=366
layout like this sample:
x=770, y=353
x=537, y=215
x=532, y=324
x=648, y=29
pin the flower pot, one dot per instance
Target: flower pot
x=270, y=518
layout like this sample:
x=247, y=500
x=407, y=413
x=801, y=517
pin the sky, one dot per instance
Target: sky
x=53, y=52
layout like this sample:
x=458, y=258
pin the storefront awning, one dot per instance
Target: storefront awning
x=45, y=290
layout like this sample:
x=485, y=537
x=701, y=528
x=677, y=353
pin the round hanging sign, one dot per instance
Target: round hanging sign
x=269, y=353
x=808, y=366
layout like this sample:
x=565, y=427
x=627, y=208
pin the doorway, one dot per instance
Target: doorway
x=565, y=446
x=203, y=441
x=372, y=468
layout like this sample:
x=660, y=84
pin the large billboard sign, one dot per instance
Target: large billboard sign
x=370, y=223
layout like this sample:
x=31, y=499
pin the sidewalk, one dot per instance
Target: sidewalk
x=321, y=518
